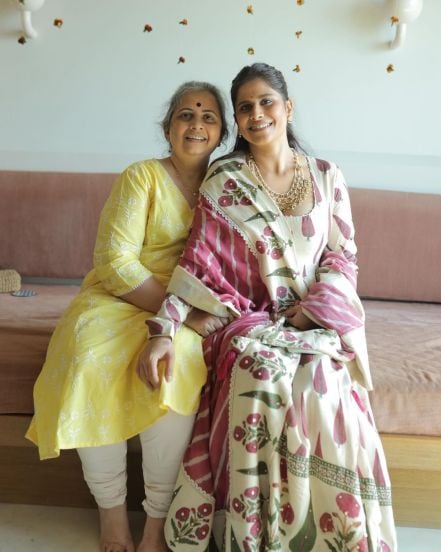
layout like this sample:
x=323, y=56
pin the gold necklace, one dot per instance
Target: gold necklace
x=186, y=188
x=297, y=191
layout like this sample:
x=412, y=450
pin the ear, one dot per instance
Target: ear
x=289, y=109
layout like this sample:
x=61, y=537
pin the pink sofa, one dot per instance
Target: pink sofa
x=48, y=226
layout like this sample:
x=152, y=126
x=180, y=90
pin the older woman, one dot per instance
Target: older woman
x=88, y=395
x=284, y=453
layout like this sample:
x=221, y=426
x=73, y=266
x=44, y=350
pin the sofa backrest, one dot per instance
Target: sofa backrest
x=398, y=235
x=49, y=220
x=48, y=224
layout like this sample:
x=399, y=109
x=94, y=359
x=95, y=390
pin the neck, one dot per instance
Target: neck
x=192, y=171
x=273, y=158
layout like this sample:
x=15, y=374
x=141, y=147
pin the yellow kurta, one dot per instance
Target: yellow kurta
x=88, y=392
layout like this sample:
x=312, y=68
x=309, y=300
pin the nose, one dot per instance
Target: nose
x=197, y=123
x=256, y=113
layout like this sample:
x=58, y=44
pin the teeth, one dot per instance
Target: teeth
x=259, y=127
x=198, y=138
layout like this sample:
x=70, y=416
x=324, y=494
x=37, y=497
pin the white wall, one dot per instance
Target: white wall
x=88, y=96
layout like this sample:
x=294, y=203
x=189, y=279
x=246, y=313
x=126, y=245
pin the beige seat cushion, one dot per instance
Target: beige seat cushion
x=404, y=343
x=26, y=324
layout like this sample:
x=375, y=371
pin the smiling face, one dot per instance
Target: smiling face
x=261, y=113
x=196, y=124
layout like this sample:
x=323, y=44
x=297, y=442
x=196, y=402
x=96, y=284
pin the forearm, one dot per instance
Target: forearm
x=148, y=296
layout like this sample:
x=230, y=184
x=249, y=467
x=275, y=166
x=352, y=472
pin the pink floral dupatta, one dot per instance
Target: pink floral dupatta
x=284, y=449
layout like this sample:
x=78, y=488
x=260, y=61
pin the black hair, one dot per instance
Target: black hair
x=275, y=79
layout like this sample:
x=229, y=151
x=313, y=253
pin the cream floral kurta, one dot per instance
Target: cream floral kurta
x=88, y=392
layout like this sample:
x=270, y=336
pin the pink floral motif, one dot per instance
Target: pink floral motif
x=264, y=365
x=290, y=417
x=249, y=505
x=276, y=253
x=245, y=201
x=267, y=354
x=378, y=471
x=205, y=509
x=254, y=432
x=326, y=523
x=254, y=419
x=238, y=505
x=318, y=448
x=287, y=513
x=281, y=291
x=191, y=525
x=322, y=165
x=271, y=243
x=252, y=446
x=346, y=529
x=230, y=184
x=246, y=362
x=348, y=504
x=339, y=425
x=225, y=201
x=319, y=380
x=251, y=492
x=256, y=528
x=307, y=227
x=345, y=229
x=384, y=547
x=182, y=514
x=202, y=532
x=261, y=374
x=358, y=400
x=239, y=433
x=260, y=246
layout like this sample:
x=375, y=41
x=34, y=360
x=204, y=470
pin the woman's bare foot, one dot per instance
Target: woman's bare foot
x=115, y=530
x=153, y=539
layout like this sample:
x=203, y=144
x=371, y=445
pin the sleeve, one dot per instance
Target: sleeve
x=204, y=277
x=121, y=232
x=171, y=315
x=332, y=301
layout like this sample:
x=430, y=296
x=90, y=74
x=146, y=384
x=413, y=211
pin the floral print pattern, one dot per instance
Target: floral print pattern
x=285, y=399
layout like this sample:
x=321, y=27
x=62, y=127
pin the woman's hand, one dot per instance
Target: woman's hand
x=205, y=323
x=157, y=349
x=296, y=318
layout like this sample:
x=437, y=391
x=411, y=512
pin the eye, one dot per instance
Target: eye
x=244, y=108
x=210, y=118
x=185, y=115
x=266, y=101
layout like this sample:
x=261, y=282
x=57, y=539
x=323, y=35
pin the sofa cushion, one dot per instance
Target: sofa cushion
x=26, y=324
x=49, y=221
x=404, y=343
x=398, y=235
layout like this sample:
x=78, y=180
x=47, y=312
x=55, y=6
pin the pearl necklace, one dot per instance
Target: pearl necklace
x=186, y=188
x=296, y=193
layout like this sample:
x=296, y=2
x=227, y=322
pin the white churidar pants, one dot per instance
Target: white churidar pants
x=163, y=445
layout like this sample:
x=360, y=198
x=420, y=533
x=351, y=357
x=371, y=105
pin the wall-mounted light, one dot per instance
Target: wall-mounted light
x=27, y=7
x=404, y=12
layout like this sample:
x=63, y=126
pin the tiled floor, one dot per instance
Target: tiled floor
x=48, y=529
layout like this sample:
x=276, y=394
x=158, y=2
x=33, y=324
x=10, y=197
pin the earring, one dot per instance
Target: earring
x=239, y=135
